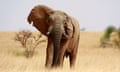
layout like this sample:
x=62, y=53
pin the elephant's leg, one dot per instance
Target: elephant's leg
x=60, y=58
x=73, y=54
x=63, y=59
x=61, y=54
x=72, y=57
x=49, y=53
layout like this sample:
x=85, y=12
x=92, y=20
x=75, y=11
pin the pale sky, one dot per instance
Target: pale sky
x=94, y=15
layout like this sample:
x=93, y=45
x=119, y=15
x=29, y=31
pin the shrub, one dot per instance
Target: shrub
x=28, y=41
x=108, y=31
x=106, y=37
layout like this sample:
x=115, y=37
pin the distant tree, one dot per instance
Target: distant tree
x=28, y=41
x=82, y=29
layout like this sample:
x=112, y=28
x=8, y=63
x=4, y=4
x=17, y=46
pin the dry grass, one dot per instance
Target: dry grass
x=91, y=58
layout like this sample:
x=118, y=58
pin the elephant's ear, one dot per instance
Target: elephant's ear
x=69, y=27
x=39, y=13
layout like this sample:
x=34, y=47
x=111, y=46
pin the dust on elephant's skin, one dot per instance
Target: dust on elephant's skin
x=63, y=34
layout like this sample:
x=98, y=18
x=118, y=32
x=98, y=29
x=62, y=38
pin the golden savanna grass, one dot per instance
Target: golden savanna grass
x=91, y=57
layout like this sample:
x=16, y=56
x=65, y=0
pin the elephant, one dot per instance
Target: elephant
x=62, y=31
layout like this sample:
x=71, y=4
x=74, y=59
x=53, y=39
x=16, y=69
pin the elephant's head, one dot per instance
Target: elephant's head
x=55, y=22
x=43, y=18
x=60, y=19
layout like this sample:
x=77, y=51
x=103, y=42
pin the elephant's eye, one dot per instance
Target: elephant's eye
x=48, y=20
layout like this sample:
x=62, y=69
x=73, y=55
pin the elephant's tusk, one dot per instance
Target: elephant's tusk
x=48, y=33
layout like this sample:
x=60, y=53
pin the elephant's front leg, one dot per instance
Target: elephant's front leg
x=72, y=59
x=61, y=53
x=73, y=54
x=49, y=53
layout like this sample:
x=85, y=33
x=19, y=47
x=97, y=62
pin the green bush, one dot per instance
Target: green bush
x=106, y=35
x=108, y=31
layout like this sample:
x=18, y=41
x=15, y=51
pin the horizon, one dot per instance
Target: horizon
x=92, y=15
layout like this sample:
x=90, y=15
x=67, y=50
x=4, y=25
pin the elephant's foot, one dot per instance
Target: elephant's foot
x=57, y=66
x=72, y=60
x=47, y=65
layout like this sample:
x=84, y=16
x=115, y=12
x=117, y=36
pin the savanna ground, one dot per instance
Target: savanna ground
x=91, y=57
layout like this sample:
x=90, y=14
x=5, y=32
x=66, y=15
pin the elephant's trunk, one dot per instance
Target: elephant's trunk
x=57, y=32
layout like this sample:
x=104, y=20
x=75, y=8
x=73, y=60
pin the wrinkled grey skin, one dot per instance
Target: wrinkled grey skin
x=61, y=25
